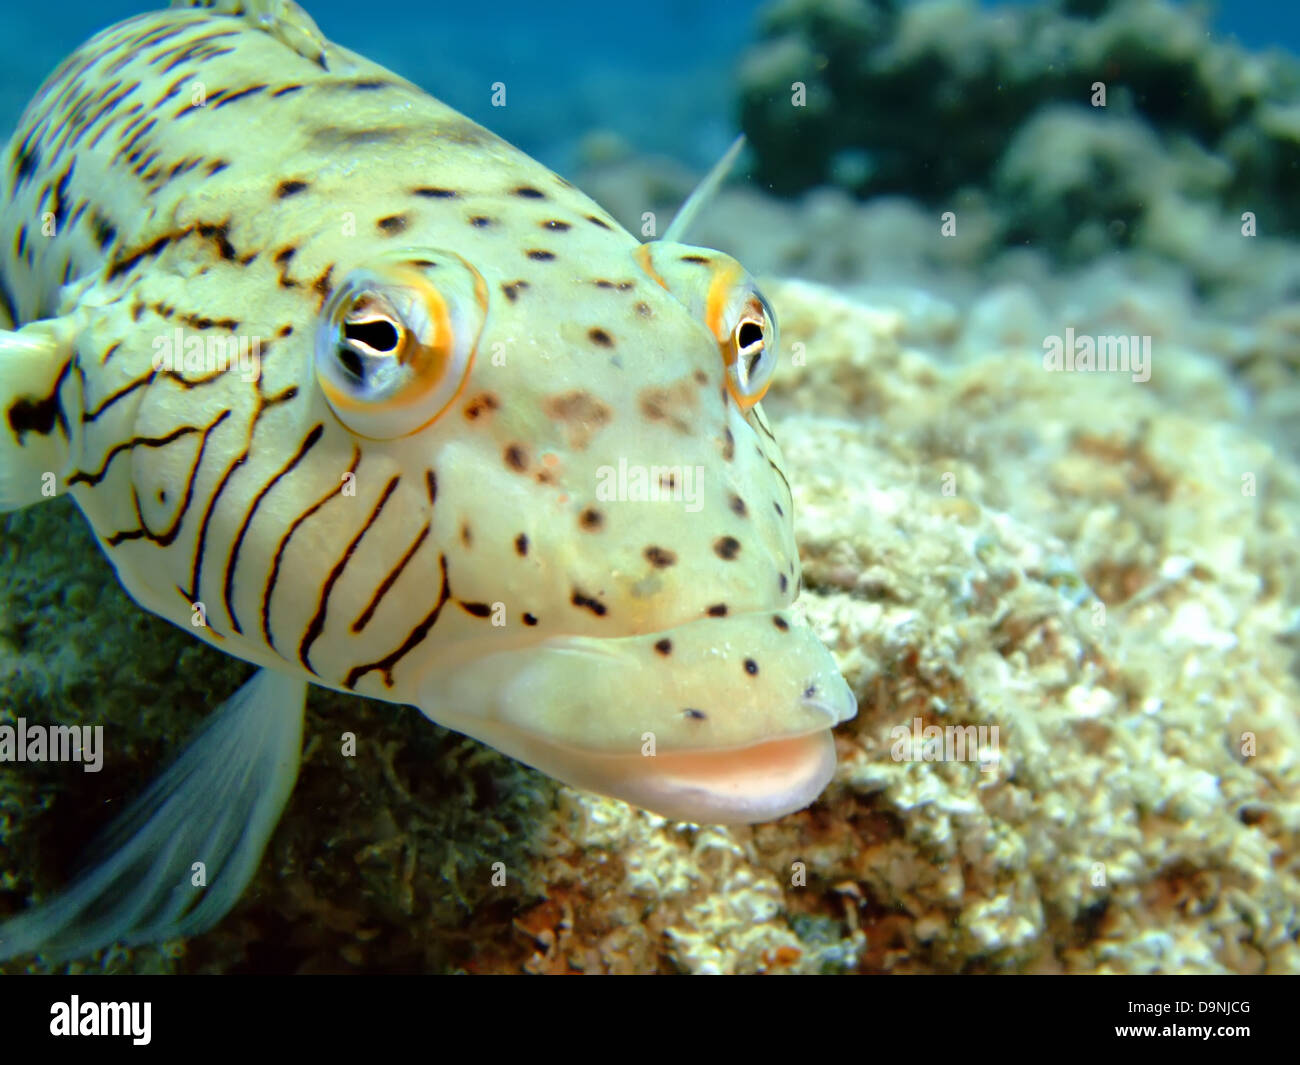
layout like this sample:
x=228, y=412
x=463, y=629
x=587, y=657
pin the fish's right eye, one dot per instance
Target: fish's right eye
x=396, y=342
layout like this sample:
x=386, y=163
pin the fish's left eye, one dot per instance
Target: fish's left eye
x=396, y=342
x=750, y=353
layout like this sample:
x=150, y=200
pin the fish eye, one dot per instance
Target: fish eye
x=396, y=342
x=718, y=290
x=750, y=355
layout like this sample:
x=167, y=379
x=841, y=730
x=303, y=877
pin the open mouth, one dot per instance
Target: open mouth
x=707, y=735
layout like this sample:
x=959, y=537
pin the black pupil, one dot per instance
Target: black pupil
x=750, y=333
x=378, y=335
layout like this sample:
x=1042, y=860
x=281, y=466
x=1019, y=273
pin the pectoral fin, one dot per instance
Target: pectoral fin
x=216, y=805
x=35, y=371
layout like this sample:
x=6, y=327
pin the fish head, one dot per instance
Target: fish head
x=606, y=580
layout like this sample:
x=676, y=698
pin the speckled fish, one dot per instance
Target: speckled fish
x=353, y=390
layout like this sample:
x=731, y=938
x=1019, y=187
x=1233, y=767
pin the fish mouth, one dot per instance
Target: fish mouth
x=744, y=785
x=693, y=735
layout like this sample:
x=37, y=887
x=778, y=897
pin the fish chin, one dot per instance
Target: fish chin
x=716, y=721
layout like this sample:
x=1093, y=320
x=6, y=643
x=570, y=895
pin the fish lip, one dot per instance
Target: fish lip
x=750, y=784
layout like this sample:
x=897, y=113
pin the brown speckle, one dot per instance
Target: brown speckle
x=541, y=255
x=717, y=610
x=481, y=404
x=738, y=507
x=591, y=519
x=726, y=547
x=435, y=193
x=643, y=309
x=480, y=221
x=521, y=545
x=556, y=225
x=530, y=193
x=751, y=667
x=393, y=224
x=780, y=623
x=513, y=288
x=695, y=715
x=664, y=646
x=659, y=557
x=516, y=457
x=597, y=222
x=582, y=414
x=466, y=534
x=599, y=336
x=290, y=188
x=529, y=619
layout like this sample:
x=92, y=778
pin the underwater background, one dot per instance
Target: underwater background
x=1105, y=565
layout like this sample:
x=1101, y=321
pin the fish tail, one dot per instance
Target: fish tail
x=181, y=855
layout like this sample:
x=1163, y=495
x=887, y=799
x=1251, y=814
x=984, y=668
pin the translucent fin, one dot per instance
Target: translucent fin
x=216, y=804
x=34, y=364
x=676, y=231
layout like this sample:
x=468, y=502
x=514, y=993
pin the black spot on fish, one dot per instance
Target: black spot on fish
x=586, y=602
x=393, y=224
x=599, y=336
x=659, y=557
x=597, y=222
x=513, y=288
x=436, y=193
x=289, y=188
x=541, y=256
x=726, y=547
x=664, y=646
x=530, y=193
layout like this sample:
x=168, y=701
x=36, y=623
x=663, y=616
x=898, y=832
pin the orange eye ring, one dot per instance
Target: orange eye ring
x=744, y=325
x=396, y=342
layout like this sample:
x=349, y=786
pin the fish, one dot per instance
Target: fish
x=351, y=389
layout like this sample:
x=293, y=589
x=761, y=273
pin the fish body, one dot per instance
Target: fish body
x=351, y=389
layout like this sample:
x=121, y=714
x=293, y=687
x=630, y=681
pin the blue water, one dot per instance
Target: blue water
x=659, y=74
